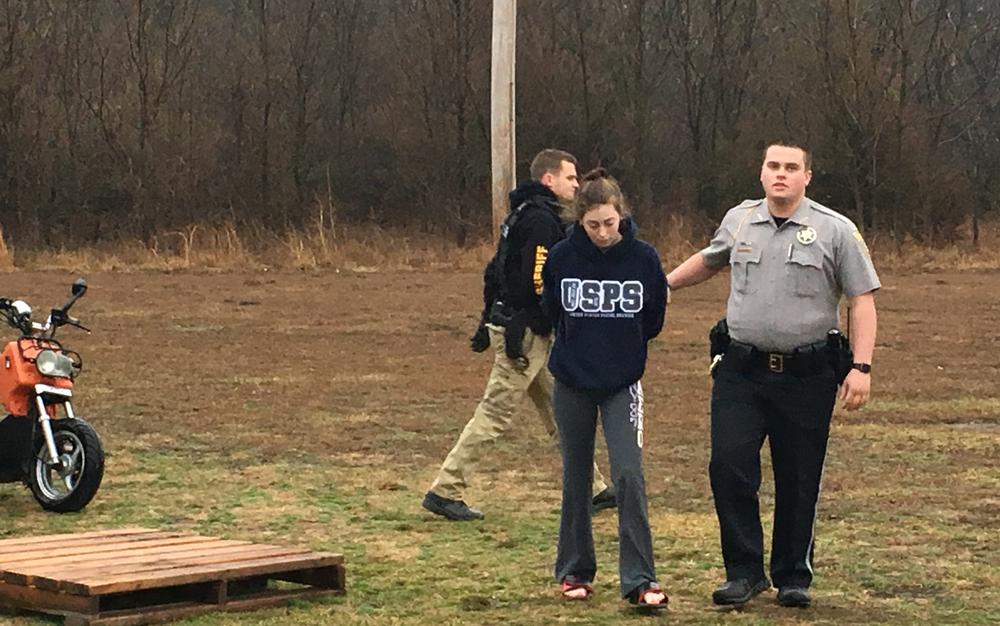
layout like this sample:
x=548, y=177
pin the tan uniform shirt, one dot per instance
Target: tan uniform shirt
x=786, y=282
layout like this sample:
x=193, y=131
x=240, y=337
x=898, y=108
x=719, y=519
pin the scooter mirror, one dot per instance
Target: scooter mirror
x=79, y=287
x=22, y=308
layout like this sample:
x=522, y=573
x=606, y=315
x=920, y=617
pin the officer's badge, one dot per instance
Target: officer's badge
x=806, y=235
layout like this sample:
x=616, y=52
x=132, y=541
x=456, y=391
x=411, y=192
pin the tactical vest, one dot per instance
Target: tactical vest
x=495, y=288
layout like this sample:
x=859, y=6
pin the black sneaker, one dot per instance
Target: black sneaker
x=794, y=597
x=455, y=510
x=739, y=592
x=604, y=500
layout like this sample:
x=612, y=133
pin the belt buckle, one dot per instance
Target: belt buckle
x=776, y=362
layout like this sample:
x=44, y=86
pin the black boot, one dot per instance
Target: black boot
x=738, y=592
x=794, y=597
x=455, y=510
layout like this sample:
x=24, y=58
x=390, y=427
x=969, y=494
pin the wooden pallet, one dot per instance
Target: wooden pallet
x=138, y=576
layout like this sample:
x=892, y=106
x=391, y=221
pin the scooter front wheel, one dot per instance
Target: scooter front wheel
x=72, y=483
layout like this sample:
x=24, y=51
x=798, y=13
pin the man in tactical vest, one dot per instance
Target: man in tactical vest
x=514, y=324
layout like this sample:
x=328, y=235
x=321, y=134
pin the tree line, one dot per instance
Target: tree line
x=128, y=118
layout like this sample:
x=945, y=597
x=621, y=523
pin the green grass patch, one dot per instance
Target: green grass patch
x=405, y=567
x=955, y=409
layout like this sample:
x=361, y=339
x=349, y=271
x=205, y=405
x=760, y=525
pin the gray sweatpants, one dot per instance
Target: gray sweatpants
x=576, y=412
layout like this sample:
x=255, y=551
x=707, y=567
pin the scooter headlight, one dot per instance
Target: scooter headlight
x=51, y=363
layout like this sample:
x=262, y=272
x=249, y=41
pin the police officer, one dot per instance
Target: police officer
x=518, y=329
x=791, y=260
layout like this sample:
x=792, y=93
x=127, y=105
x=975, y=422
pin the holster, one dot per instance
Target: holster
x=499, y=314
x=513, y=337
x=718, y=344
x=540, y=325
x=841, y=356
x=515, y=323
x=718, y=339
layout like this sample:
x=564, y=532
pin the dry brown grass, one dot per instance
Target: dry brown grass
x=327, y=243
x=913, y=256
x=225, y=248
x=363, y=248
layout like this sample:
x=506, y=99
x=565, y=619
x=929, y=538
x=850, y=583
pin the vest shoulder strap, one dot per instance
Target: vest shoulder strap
x=503, y=248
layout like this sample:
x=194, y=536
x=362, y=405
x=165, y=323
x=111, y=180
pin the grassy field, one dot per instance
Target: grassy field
x=312, y=408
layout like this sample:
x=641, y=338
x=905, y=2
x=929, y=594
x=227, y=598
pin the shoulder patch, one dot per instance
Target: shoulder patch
x=861, y=243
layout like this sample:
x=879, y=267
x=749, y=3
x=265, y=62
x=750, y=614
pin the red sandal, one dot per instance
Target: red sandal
x=569, y=586
x=637, y=598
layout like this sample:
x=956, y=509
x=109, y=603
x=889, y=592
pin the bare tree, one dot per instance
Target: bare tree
x=160, y=47
x=714, y=44
x=644, y=61
x=450, y=83
x=15, y=66
x=137, y=117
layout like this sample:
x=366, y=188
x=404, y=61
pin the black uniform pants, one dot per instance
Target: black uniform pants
x=793, y=413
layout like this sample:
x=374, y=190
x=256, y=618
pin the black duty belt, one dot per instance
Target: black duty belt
x=806, y=360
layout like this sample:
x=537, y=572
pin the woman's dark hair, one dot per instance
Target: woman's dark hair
x=599, y=188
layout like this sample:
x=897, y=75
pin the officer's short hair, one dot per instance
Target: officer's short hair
x=807, y=156
x=549, y=161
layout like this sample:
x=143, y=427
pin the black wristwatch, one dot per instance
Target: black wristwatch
x=864, y=368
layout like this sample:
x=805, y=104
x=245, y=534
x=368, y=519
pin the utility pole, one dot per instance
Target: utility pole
x=502, y=147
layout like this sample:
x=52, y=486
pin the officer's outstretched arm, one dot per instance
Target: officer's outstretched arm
x=691, y=272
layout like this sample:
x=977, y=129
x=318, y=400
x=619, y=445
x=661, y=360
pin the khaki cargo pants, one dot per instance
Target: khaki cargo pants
x=504, y=395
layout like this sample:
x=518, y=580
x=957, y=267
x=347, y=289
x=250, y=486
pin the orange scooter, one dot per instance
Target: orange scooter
x=42, y=442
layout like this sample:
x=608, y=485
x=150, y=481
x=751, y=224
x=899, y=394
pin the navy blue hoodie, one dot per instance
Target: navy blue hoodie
x=604, y=306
